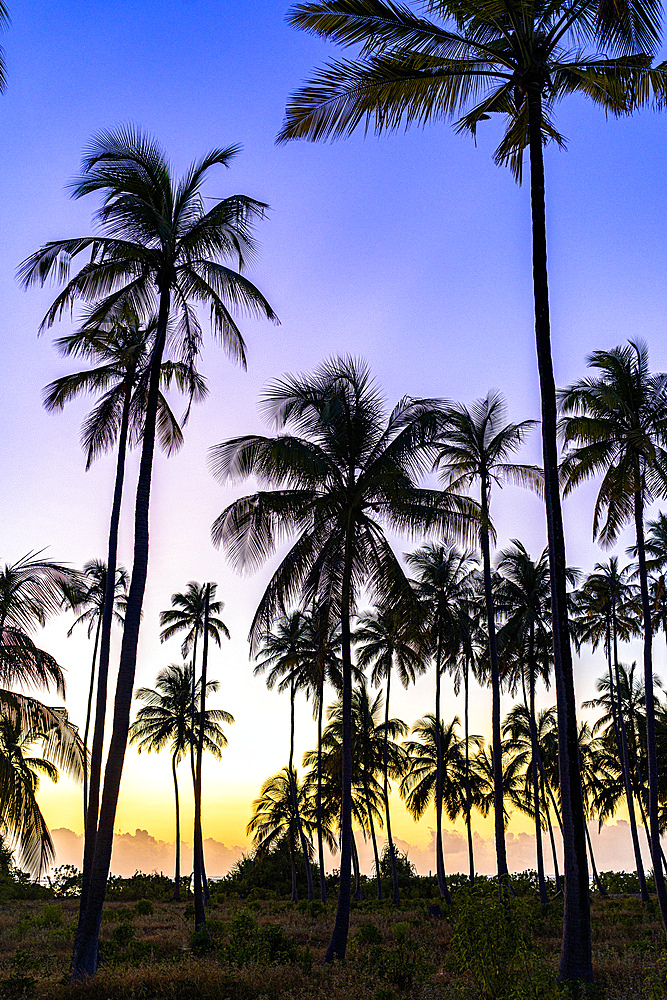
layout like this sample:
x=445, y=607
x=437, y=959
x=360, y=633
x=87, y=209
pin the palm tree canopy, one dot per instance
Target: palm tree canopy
x=614, y=425
x=86, y=597
x=387, y=638
x=418, y=784
x=480, y=58
x=187, y=615
x=4, y=22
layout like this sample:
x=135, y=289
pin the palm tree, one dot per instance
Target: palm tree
x=515, y=60
x=157, y=249
x=165, y=719
x=474, y=448
x=120, y=351
x=88, y=600
x=282, y=654
x=605, y=608
x=615, y=425
x=4, y=23
x=387, y=638
x=344, y=472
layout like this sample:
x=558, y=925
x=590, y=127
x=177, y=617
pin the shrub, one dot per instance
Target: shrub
x=144, y=908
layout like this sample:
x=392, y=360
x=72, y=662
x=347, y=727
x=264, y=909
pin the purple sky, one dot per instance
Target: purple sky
x=412, y=251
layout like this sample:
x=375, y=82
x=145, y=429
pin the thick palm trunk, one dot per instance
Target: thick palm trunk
x=198, y=842
x=358, y=889
x=177, y=866
x=497, y=752
x=395, y=892
x=575, y=959
x=653, y=806
x=534, y=752
x=320, y=838
x=295, y=800
x=443, y=888
x=471, y=856
x=86, y=730
x=625, y=766
x=338, y=943
x=371, y=827
x=84, y=959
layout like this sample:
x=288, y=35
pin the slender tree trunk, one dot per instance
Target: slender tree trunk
x=653, y=805
x=596, y=878
x=88, y=714
x=84, y=958
x=552, y=839
x=290, y=844
x=338, y=943
x=371, y=827
x=575, y=960
x=295, y=799
x=320, y=838
x=177, y=870
x=625, y=767
x=358, y=889
x=200, y=912
x=497, y=751
x=443, y=888
x=471, y=856
x=395, y=892
x=544, y=896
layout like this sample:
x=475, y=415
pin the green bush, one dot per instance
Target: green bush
x=144, y=908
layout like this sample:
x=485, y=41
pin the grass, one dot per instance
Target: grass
x=271, y=950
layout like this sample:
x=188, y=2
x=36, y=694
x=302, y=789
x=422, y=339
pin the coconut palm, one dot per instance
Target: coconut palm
x=388, y=639
x=516, y=60
x=344, y=472
x=606, y=611
x=165, y=719
x=282, y=655
x=614, y=425
x=158, y=250
x=87, y=600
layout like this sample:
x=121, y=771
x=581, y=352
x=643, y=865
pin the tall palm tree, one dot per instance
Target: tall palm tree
x=344, y=471
x=158, y=249
x=87, y=599
x=387, y=639
x=119, y=349
x=165, y=719
x=604, y=613
x=614, y=424
x=517, y=60
x=282, y=654
x=475, y=448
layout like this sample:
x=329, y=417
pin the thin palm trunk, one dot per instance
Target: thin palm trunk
x=193, y=767
x=596, y=878
x=653, y=805
x=625, y=766
x=84, y=958
x=338, y=943
x=290, y=845
x=358, y=889
x=177, y=867
x=295, y=800
x=395, y=892
x=320, y=838
x=86, y=730
x=200, y=912
x=371, y=827
x=497, y=753
x=471, y=856
x=575, y=960
x=552, y=839
x=443, y=888
x=544, y=896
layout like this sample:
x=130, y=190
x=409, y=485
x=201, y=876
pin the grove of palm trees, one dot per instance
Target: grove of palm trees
x=362, y=556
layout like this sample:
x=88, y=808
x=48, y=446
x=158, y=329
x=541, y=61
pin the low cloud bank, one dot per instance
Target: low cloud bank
x=141, y=851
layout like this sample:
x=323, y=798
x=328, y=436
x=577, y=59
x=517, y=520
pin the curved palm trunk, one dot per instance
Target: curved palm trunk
x=358, y=890
x=498, y=797
x=395, y=892
x=84, y=962
x=96, y=754
x=544, y=896
x=625, y=767
x=177, y=866
x=371, y=827
x=320, y=838
x=443, y=888
x=338, y=943
x=575, y=960
x=88, y=714
x=471, y=856
x=198, y=842
x=653, y=815
x=552, y=840
x=295, y=799
x=596, y=878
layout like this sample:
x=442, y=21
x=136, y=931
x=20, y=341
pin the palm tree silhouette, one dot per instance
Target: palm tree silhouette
x=346, y=470
x=157, y=249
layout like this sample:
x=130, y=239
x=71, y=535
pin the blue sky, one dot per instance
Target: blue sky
x=412, y=251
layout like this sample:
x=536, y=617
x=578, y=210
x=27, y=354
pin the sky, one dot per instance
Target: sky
x=411, y=251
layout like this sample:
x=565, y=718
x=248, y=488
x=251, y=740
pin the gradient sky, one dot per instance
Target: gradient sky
x=412, y=251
